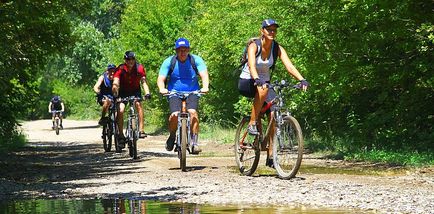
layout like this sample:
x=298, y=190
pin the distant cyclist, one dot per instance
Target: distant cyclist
x=184, y=77
x=261, y=56
x=103, y=89
x=56, y=104
x=126, y=83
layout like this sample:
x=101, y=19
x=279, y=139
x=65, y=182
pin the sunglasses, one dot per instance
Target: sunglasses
x=271, y=30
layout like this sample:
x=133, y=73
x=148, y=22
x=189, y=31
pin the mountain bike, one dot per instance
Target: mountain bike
x=132, y=130
x=110, y=129
x=183, y=133
x=56, y=120
x=287, y=140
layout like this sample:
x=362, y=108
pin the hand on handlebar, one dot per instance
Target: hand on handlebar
x=303, y=84
x=204, y=90
x=164, y=91
x=147, y=96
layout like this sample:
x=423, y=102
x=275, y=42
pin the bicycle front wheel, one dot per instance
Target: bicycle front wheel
x=135, y=136
x=57, y=126
x=288, y=148
x=247, y=149
x=184, y=138
x=107, y=137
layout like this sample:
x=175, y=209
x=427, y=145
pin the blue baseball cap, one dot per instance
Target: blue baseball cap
x=182, y=42
x=269, y=22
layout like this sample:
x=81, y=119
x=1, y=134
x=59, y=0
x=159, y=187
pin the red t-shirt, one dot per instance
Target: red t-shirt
x=130, y=79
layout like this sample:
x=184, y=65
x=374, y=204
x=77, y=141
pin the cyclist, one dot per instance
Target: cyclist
x=56, y=104
x=103, y=89
x=183, y=77
x=256, y=73
x=126, y=82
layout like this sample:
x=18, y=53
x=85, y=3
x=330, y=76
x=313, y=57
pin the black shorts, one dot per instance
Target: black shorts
x=137, y=94
x=247, y=87
x=175, y=103
x=100, y=97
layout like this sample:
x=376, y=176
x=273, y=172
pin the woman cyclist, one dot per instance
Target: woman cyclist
x=256, y=73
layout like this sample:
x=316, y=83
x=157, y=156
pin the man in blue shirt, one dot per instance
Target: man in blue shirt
x=183, y=73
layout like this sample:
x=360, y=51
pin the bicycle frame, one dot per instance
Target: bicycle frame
x=183, y=141
x=287, y=147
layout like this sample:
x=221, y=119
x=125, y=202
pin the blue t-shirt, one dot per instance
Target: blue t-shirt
x=183, y=77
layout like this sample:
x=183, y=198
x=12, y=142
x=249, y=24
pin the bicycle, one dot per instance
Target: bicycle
x=110, y=129
x=183, y=132
x=132, y=130
x=56, y=120
x=288, y=139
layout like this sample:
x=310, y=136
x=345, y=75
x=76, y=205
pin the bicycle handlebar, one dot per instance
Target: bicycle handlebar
x=283, y=84
x=183, y=94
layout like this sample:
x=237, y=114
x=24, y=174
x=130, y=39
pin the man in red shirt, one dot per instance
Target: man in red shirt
x=126, y=82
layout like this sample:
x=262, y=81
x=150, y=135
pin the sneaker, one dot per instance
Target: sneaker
x=252, y=130
x=269, y=163
x=142, y=134
x=121, y=141
x=170, y=142
x=195, y=149
x=52, y=127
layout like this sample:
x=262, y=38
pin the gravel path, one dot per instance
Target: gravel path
x=73, y=165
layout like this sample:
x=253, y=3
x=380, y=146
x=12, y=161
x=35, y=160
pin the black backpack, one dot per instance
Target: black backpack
x=275, y=49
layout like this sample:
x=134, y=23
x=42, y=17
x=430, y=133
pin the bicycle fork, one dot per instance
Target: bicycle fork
x=183, y=116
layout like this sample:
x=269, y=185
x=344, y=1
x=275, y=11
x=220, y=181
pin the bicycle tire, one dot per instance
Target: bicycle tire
x=184, y=137
x=288, y=148
x=247, y=158
x=106, y=138
x=134, y=134
x=57, y=126
x=115, y=135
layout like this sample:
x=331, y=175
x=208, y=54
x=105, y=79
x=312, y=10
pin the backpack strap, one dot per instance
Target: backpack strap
x=175, y=59
x=275, y=52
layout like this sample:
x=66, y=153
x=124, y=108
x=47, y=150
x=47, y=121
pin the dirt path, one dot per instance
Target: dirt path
x=74, y=165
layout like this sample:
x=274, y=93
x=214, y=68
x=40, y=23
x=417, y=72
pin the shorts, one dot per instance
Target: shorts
x=247, y=87
x=137, y=94
x=100, y=98
x=175, y=103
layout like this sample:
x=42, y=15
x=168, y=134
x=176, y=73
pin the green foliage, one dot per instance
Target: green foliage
x=79, y=101
x=369, y=63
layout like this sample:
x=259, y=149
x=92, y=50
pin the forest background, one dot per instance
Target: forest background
x=369, y=62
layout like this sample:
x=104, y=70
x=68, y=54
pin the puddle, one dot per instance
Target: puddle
x=136, y=206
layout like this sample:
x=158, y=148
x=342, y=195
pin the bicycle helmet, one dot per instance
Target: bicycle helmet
x=111, y=66
x=129, y=55
x=56, y=98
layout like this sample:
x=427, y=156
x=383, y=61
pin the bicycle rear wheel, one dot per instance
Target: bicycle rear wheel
x=247, y=149
x=184, y=138
x=288, y=148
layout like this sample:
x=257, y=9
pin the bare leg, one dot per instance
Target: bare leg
x=257, y=104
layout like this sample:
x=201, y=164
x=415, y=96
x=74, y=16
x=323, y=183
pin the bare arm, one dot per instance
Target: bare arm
x=63, y=106
x=145, y=85
x=288, y=64
x=49, y=107
x=115, y=87
x=205, y=81
x=97, y=85
x=251, y=53
x=161, y=84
